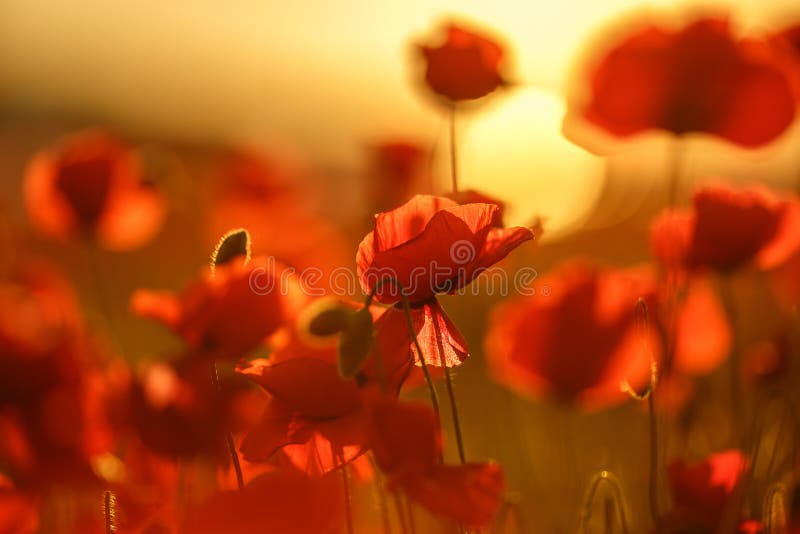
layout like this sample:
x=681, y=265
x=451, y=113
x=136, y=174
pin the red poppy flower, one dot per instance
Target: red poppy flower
x=226, y=314
x=406, y=442
x=178, y=412
x=19, y=513
x=699, y=78
x=40, y=334
x=728, y=228
x=466, y=66
x=283, y=501
x=92, y=184
x=700, y=492
x=575, y=339
x=471, y=196
x=768, y=359
x=433, y=245
x=313, y=415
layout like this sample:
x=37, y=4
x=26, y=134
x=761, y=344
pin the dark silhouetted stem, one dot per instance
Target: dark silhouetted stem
x=616, y=494
x=453, y=150
x=413, y=334
x=454, y=410
x=237, y=467
x=451, y=394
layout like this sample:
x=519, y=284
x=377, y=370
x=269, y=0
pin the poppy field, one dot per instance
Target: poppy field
x=200, y=337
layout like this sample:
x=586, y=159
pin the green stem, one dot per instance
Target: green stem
x=453, y=150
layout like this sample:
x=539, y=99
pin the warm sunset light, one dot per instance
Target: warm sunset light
x=407, y=267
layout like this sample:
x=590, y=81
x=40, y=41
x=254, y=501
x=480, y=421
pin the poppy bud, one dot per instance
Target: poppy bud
x=234, y=243
x=322, y=318
x=355, y=342
x=329, y=322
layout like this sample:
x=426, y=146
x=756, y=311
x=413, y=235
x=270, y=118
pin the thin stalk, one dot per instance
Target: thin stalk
x=348, y=505
x=412, y=333
x=452, y=396
x=109, y=512
x=453, y=150
x=237, y=466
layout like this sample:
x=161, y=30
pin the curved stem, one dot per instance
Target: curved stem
x=586, y=513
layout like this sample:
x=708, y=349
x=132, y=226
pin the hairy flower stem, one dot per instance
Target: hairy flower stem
x=410, y=322
x=237, y=467
x=453, y=149
x=109, y=512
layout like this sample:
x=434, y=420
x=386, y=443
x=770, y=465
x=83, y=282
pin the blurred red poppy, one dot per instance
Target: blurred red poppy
x=276, y=200
x=575, y=339
x=698, y=78
x=703, y=336
x=700, y=492
x=768, y=359
x=397, y=170
x=465, y=66
x=91, y=184
x=177, y=411
x=19, y=513
x=55, y=405
x=406, y=442
x=313, y=415
x=728, y=228
x=282, y=501
x=225, y=314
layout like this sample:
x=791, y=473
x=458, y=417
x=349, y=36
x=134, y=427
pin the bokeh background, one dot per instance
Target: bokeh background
x=313, y=84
